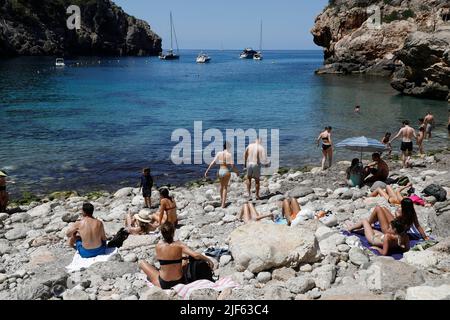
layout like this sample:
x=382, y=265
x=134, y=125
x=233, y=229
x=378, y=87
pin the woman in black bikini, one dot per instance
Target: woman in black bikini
x=327, y=147
x=170, y=256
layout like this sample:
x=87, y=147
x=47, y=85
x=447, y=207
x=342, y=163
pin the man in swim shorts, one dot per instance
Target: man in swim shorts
x=378, y=170
x=429, y=125
x=87, y=235
x=255, y=155
x=407, y=133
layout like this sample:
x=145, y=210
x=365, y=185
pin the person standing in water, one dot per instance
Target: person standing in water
x=225, y=161
x=358, y=109
x=4, y=196
x=421, y=135
x=429, y=125
x=254, y=158
x=407, y=133
x=385, y=141
x=327, y=147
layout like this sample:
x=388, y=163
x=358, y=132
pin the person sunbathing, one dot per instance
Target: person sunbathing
x=249, y=214
x=140, y=224
x=406, y=215
x=88, y=235
x=291, y=209
x=170, y=255
x=392, y=196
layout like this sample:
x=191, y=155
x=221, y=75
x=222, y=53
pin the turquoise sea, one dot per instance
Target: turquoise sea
x=95, y=123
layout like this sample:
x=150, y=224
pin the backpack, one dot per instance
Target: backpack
x=436, y=191
x=403, y=181
x=198, y=270
x=118, y=240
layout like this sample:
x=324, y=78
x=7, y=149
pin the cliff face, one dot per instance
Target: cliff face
x=37, y=28
x=410, y=42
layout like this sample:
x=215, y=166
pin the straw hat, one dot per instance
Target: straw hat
x=142, y=217
x=3, y=174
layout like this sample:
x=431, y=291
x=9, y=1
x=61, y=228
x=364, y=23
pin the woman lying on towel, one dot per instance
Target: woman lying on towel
x=291, y=209
x=170, y=255
x=249, y=214
x=392, y=196
x=394, y=230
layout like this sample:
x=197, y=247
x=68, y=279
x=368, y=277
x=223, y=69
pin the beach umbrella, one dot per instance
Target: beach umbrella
x=362, y=144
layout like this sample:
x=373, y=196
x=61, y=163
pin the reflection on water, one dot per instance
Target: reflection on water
x=95, y=125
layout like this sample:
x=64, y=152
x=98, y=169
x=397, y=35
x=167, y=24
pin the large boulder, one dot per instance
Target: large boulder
x=389, y=275
x=261, y=246
x=439, y=220
x=428, y=293
x=40, y=211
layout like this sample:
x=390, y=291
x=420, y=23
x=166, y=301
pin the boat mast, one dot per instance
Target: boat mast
x=260, y=37
x=171, y=32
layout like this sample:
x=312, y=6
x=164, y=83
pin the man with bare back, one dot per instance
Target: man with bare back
x=255, y=156
x=429, y=125
x=407, y=133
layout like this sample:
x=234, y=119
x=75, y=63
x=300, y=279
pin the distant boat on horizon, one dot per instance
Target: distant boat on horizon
x=247, y=53
x=203, y=58
x=60, y=62
x=170, y=55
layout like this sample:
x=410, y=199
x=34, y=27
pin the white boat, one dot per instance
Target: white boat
x=60, y=62
x=248, y=53
x=170, y=55
x=259, y=56
x=203, y=58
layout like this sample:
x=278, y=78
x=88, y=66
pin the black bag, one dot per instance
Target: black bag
x=198, y=270
x=436, y=191
x=118, y=240
x=403, y=181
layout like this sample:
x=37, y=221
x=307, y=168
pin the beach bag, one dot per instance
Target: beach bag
x=403, y=181
x=118, y=240
x=198, y=270
x=436, y=191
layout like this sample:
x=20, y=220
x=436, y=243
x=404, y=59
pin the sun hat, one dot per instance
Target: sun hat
x=3, y=174
x=142, y=217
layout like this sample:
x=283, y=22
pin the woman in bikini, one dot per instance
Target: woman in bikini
x=167, y=209
x=392, y=196
x=327, y=147
x=170, y=256
x=291, y=209
x=140, y=224
x=405, y=215
x=249, y=214
x=225, y=161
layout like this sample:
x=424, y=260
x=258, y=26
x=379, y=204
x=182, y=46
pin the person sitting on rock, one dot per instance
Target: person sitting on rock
x=170, y=256
x=140, y=224
x=88, y=235
x=392, y=196
x=249, y=214
x=378, y=170
x=167, y=208
x=355, y=174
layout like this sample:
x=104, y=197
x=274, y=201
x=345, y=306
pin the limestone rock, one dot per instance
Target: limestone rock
x=259, y=246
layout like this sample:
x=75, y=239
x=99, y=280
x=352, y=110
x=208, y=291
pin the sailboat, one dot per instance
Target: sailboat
x=258, y=55
x=170, y=55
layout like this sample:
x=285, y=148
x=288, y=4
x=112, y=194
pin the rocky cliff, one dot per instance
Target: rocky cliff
x=408, y=39
x=40, y=28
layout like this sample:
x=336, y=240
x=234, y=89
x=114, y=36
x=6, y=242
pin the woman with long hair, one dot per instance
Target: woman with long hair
x=167, y=208
x=225, y=161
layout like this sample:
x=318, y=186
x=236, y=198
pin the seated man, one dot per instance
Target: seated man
x=378, y=170
x=88, y=234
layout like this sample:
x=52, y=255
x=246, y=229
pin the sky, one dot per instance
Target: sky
x=233, y=24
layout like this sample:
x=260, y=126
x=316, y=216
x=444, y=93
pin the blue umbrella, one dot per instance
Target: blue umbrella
x=362, y=144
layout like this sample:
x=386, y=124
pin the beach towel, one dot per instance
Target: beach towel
x=185, y=290
x=414, y=239
x=79, y=263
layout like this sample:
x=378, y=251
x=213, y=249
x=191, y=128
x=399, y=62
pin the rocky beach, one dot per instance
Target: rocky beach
x=267, y=260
